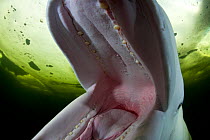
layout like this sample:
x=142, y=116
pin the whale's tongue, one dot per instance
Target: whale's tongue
x=109, y=125
x=117, y=107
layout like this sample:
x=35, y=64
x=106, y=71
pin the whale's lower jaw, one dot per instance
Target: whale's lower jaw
x=111, y=111
x=108, y=110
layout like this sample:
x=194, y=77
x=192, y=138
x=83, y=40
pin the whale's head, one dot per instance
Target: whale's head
x=124, y=54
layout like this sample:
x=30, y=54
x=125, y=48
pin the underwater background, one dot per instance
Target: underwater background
x=37, y=82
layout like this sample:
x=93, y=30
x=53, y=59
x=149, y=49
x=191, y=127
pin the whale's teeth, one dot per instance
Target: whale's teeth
x=116, y=27
x=70, y=133
x=77, y=126
x=97, y=57
x=104, y=5
x=131, y=53
x=87, y=43
x=137, y=61
x=124, y=42
x=93, y=51
x=122, y=137
x=80, y=33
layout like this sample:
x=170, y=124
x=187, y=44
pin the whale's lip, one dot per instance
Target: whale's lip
x=127, y=58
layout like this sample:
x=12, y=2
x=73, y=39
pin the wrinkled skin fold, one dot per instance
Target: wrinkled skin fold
x=124, y=54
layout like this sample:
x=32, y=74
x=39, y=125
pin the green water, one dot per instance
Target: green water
x=24, y=109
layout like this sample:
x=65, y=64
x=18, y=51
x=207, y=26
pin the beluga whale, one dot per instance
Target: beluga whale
x=123, y=53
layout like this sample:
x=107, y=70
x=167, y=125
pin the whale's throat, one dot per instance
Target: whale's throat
x=117, y=107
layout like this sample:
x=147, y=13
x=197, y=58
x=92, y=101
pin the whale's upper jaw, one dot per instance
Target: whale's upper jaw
x=117, y=48
x=87, y=34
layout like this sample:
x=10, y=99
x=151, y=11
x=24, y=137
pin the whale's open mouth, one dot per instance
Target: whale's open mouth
x=112, y=109
x=114, y=48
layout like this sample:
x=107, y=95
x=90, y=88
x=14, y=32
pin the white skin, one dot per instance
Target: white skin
x=147, y=75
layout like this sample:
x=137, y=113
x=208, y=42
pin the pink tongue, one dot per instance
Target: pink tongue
x=109, y=125
x=112, y=123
